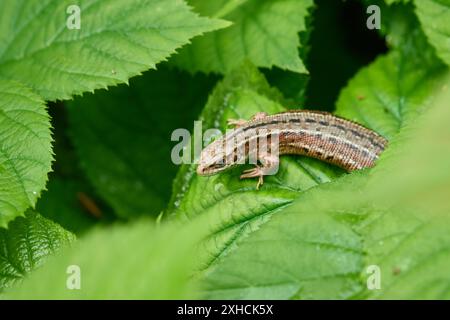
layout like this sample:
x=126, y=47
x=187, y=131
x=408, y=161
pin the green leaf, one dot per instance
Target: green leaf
x=301, y=252
x=410, y=240
x=116, y=40
x=395, y=87
x=25, y=149
x=138, y=261
x=263, y=32
x=123, y=137
x=434, y=16
x=26, y=244
x=411, y=250
x=236, y=206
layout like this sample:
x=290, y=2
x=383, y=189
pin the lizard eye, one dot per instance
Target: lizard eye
x=216, y=166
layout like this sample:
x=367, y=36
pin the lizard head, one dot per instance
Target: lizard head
x=212, y=159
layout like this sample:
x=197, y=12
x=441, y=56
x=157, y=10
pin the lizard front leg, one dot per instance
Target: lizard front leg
x=259, y=116
x=236, y=122
x=269, y=166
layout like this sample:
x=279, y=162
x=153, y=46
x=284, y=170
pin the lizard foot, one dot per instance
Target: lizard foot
x=253, y=173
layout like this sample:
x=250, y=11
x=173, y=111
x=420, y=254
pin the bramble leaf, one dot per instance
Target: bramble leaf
x=434, y=16
x=38, y=49
x=408, y=238
x=301, y=252
x=26, y=245
x=25, y=149
x=264, y=32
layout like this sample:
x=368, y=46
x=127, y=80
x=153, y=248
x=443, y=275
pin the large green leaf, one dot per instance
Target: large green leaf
x=434, y=16
x=25, y=149
x=236, y=206
x=410, y=240
x=411, y=248
x=123, y=137
x=116, y=40
x=139, y=261
x=301, y=252
x=26, y=245
x=263, y=31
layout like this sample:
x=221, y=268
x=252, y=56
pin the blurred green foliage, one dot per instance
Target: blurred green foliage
x=310, y=232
